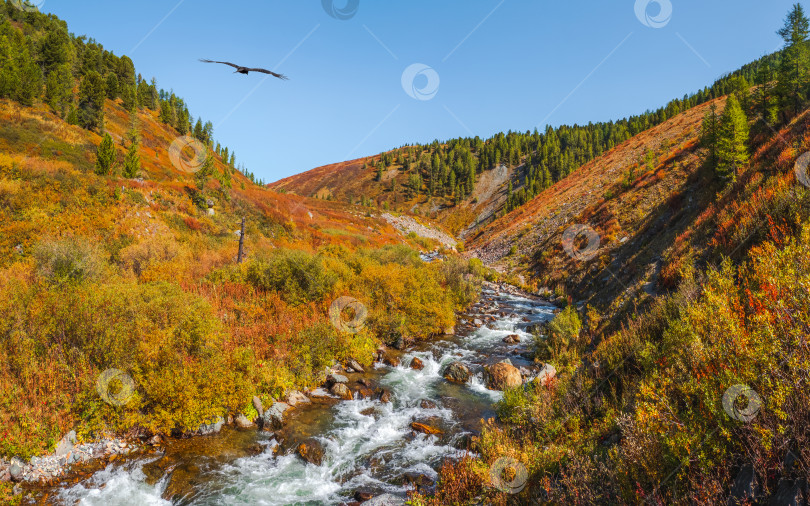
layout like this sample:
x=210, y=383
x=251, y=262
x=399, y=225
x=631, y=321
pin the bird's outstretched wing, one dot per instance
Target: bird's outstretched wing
x=265, y=71
x=223, y=62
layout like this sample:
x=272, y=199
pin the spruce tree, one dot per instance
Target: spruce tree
x=132, y=162
x=793, y=67
x=709, y=134
x=105, y=156
x=91, y=101
x=732, y=143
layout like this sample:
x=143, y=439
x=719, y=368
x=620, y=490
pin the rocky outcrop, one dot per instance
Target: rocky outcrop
x=457, y=372
x=503, y=375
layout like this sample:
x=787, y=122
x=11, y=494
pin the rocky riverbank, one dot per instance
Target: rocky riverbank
x=415, y=405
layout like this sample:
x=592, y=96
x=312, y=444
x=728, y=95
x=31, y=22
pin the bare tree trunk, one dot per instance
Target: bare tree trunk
x=241, y=253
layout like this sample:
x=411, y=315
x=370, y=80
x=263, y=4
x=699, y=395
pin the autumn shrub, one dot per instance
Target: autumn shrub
x=298, y=276
x=58, y=340
x=149, y=253
x=68, y=260
x=562, y=340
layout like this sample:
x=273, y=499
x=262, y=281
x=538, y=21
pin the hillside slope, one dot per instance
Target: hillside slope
x=636, y=209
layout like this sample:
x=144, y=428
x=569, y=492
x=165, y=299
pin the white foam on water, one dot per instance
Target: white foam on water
x=115, y=486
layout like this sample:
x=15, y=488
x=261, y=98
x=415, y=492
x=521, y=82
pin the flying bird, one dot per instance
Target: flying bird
x=246, y=70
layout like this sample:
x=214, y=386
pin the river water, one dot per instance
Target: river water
x=369, y=445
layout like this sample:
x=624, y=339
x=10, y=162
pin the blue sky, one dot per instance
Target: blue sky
x=484, y=65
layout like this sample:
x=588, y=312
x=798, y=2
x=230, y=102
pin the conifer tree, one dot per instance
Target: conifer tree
x=793, y=67
x=91, y=101
x=132, y=162
x=105, y=156
x=709, y=134
x=732, y=143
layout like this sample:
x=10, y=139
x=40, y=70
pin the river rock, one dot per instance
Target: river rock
x=311, y=451
x=273, y=418
x=363, y=392
x=385, y=500
x=427, y=404
x=363, y=496
x=419, y=480
x=333, y=379
x=16, y=469
x=294, y=398
x=209, y=428
x=242, y=422
x=457, y=373
x=389, y=359
x=257, y=404
x=354, y=364
x=503, y=375
x=342, y=391
x=425, y=429
x=384, y=395
x=417, y=364
x=65, y=446
x=477, y=322
x=511, y=339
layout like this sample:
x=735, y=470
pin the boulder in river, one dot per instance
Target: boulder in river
x=363, y=495
x=388, y=358
x=511, y=339
x=212, y=427
x=273, y=417
x=363, y=392
x=425, y=429
x=427, y=404
x=417, y=364
x=342, y=391
x=503, y=375
x=384, y=395
x=294, y=398
x=16, y=469
x=457, y=373
x=312, y=451
x=336, y=378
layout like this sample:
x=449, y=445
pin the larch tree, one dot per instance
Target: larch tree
x=732, y=143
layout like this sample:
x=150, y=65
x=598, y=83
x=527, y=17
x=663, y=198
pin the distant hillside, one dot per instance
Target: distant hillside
x=467, y=183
